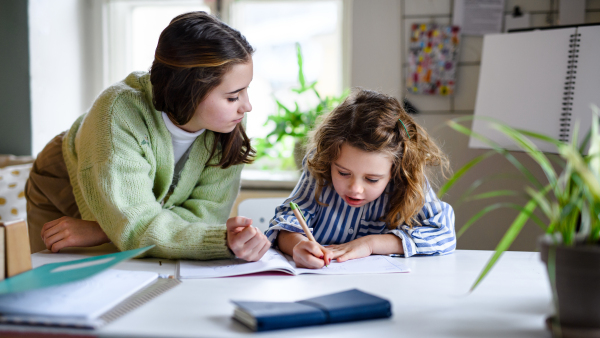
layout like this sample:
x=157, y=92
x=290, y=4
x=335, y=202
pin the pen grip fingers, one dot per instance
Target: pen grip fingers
x=327, y=255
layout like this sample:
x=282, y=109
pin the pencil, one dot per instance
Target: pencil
x=302, y=221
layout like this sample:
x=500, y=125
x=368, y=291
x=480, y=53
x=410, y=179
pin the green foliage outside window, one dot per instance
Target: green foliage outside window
x=292, y=125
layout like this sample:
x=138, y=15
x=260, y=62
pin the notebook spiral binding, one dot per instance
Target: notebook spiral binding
x=567, y=104
x=140, y=298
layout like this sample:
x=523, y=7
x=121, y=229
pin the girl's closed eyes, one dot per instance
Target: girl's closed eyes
x=372, y=180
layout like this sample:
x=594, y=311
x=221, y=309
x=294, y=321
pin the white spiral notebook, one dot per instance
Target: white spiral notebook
x=76, y=295
x=88, y=303
x=541, y=80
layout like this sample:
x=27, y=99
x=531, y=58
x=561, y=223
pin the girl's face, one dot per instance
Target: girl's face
x=226, y=104
x=360, y=177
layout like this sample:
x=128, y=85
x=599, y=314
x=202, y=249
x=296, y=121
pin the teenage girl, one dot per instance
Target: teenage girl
x=157, y=159
x=364, y=190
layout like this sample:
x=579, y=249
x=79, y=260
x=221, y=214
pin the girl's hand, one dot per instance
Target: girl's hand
x=246, y=241
x=311, y=255
x=72, y=232
x=358, y=248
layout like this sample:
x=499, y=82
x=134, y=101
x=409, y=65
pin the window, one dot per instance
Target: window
x=273, y=28
x=132, y=28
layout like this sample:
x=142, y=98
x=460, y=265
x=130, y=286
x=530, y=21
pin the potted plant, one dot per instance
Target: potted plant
x=570, y=200
x=293, y=124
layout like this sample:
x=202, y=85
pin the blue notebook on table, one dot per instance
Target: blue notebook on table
x=346, y=306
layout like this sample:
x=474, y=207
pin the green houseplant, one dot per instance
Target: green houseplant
x=570, y=200
x=291, y=125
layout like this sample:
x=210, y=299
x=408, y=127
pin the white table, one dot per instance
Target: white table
x=430, y=301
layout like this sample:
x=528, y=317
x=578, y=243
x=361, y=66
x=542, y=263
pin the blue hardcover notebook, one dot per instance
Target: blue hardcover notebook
x=346, y=306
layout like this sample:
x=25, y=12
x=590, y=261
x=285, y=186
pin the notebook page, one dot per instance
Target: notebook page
x=271, y=261
x=587, y=82
x=521, y=83
x=366, y=265
x=86, y=299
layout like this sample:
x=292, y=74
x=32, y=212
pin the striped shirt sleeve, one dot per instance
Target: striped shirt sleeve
x=435, y=233
x=303, y=195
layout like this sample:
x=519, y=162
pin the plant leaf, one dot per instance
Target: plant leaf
x=456, y=126
x=491, y=194
x=495, y=206
x=542, y=202
x=460, y=173
x=479, y=182
x=301, y=79
x=509, y=237
x=575, y=158
x=594, y=151
x=531, y=149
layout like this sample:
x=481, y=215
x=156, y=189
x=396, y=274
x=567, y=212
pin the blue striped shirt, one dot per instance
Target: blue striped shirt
x=340, y=223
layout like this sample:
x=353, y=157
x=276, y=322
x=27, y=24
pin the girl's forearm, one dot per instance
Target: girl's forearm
x=286, y=241
x=385, y=244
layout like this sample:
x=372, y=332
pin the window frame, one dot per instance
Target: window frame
x=117, y=30
x=222, y=10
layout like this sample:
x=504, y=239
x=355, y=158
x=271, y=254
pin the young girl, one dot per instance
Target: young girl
x=157, y=159
x=363, y=190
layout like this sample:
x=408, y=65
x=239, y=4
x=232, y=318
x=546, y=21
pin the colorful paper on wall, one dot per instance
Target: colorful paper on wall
x=432, y=59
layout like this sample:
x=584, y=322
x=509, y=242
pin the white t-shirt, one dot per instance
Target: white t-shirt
x=181, y=139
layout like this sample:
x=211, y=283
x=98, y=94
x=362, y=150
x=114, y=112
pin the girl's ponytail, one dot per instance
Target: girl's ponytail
x=418, y=152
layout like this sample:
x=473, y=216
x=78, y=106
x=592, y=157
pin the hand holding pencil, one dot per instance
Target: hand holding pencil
x=313, y=248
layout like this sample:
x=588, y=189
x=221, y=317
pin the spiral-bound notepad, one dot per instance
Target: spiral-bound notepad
x=79, y=294
x=86, y=304
x=540, y=80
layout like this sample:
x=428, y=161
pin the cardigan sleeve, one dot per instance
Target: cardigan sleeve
x=213, y=196
x=116, y=185
x=119, y=194
x=434, y=235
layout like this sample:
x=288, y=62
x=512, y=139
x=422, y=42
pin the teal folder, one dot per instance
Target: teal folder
x=65, y=272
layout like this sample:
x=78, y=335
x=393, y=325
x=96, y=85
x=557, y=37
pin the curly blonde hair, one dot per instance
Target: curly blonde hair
x=370, y=121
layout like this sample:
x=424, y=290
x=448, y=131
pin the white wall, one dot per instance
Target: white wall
x=379, y=45
x=63, y=65
x=66, y=74
x=376, y=60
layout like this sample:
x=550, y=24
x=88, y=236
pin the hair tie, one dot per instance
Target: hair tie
x=405, y=128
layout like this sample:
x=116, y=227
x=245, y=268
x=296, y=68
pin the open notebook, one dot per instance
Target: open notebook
x=275, y=261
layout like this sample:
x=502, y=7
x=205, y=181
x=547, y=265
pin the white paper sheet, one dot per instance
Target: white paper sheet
x=271, y=261
x=478, y=17
x=276, y=261
x=366, y=265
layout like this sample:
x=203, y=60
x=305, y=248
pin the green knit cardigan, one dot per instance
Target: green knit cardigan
x=121, y=164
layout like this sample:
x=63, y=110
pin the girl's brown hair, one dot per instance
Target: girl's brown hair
x=370, y=121
x=193, y=54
